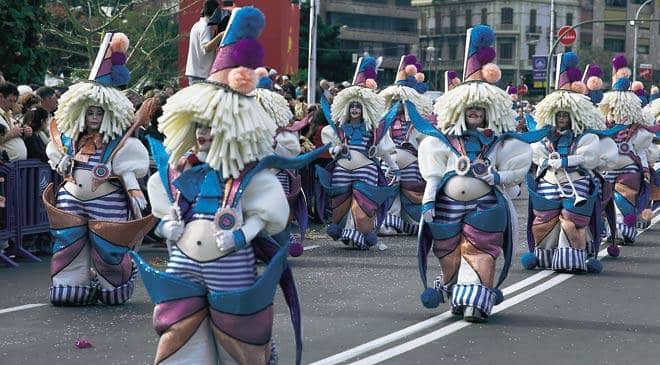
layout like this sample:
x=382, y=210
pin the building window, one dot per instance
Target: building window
x=616, y=3
x=643, y=49
x=507, y=16
x=484, y=16
x=531, y=51
x=532, y=18
x=453, y=47
x=615, y=44
x=505, y=48
x=402, y=2
x=468, y=18
x=569, y=18
x=452, y=21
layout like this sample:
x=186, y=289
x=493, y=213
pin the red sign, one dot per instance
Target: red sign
x=570, y=36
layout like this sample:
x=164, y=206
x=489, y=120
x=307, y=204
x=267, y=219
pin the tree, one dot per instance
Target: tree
x=599, y=56
x=23, y=59
x=332, y=62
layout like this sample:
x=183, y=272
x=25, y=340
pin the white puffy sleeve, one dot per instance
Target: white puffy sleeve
x=589, y=149
x=539, y=153
x=386, y=146
x=328, y=135
x=160, y=201
x=609, y=154
x=264, y=200
x=641, y=141
x=131, y=162
x=433, y=156
x=513, y=161
x=54, y=155
x=287, y=144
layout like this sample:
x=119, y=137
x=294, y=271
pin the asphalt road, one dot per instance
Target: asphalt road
x=356, y=303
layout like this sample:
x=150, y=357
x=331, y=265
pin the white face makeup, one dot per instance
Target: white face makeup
x=563, y=120
x=204, y=138
x=474, y=117
x=94, y=118
x=355, y=112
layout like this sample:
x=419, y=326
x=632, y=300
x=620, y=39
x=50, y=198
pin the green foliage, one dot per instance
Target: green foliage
x=599, y=56
x=23, y=59
x=333, y=63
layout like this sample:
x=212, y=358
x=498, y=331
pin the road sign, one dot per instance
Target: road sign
x=539, y=62
x=646, y=71
x=539, y=75
x=570, y=36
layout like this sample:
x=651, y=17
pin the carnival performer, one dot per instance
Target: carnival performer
x=471, y=169
x=564, y=202
x=626, y=160
x=354, y=182
x=405, y=211
x=95, y=217
x=286, y=144
x=653, y=157
x=223, y=211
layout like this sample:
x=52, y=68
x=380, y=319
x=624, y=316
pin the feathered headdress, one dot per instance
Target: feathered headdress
x=620, y=104
x=108, y=73
x=478, y=90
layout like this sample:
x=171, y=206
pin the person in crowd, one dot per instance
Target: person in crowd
x=49, y=98
x=288, y=87
x=37, y=118
x=202, y=45
x=11, y=132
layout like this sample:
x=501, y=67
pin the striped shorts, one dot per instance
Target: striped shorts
x=343, y=177
x=550, y=191
x=111, y=207
x=448, y=210
x=283, y=178
x=611, y=176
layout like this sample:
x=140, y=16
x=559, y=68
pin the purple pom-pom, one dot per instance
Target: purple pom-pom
x=630, y=220
x=619, y=61
x=248, y=53
x=296, y=248
x=486, y=55
x=594, y=70
x=451, y=74
x=613, y=250
x=574, y=74
x=370, y=73
x=418, y=66
x=639, y=92
x=410, y=59
x=118, y=58
x=513, y=90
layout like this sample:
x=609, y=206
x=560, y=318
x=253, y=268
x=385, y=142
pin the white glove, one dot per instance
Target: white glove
x=139, y=202
x=554, y=163
x=171, y=230
x=64, y=165
x=225, y=242
x=336, y=150
x=428, y=215
x=489, y=179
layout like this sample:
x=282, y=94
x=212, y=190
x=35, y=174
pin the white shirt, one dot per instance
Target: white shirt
x=15, y=147
x=199, y=62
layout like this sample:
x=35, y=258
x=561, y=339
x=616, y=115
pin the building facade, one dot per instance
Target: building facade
x=522, y=29
x=385, y=28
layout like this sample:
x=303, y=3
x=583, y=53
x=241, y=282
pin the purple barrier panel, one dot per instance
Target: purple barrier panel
x=7, y=226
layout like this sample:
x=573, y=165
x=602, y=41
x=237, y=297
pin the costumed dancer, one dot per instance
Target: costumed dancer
x=405, y=211
x=286, y=144
x=95, y=217
x=354, y=182
x=471, y=170
x=564, y=201
x=625, y=160
x=222, y=212
x=653, y=157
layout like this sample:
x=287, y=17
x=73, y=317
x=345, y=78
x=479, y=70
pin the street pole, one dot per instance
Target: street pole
x=311, y=58
x=552, y=24
x=636, y=26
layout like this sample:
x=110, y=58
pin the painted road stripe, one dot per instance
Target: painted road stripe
x=382, y=341
x=21, y=307
x=309, y=248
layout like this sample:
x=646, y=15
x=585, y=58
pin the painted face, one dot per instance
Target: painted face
x=355, y=111
x=204, y=138
x=94, y=118
x=563, y=120
x=474, y=117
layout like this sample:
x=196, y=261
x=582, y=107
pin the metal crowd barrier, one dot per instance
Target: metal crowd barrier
x=21, y=184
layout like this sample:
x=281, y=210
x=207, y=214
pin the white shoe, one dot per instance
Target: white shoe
x=381, y=246
x=387, y=231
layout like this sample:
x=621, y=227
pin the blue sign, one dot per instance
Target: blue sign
x=539, y=74
x=540, y=62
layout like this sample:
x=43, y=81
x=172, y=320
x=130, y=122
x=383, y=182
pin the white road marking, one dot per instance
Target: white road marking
x=309, y=248
x=21, y=307
x=453, y=327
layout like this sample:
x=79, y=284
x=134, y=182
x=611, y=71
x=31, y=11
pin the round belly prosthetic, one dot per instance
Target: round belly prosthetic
x=83, y=187
x=356, y=161
x=404, y=158
x=465, y=188
x=198, y=241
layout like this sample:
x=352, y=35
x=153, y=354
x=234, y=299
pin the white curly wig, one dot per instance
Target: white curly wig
x=625, y=107
x=653, y=110
x=242, y=130
x=70, y=115
x=450, y=108
x=373, y=105
x=584, y=115
x=423, y=104
x=275, y=105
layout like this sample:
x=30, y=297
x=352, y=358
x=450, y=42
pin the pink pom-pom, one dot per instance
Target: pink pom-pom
x=654, y=90
x=630, y=220
x=119, y=43
x=594, y=83
x=637, y=85
x=491, y=73
x=420, y=77
x=371, y=84
x=242, y=79
x=579, y=87
x=261, y=72
x=221, y=76
x=411, y=70
x=456, y=81
x=647, y=214
x=623, y=72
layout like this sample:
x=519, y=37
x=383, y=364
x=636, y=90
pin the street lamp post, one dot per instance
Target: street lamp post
x=636, y=27
x=430, y=51
x=311, y=58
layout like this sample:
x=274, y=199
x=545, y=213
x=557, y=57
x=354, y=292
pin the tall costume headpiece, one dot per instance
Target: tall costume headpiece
x=407, y=87
x=638, y=88
x=593, y=78
x=478, y=90
x=584, y=114
x=373, y=105
x=108, y=74
x=273, y=102
x=623, y=105
x=451, y=80
x=653, y=110
x=512, y=91
x=242, y=130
